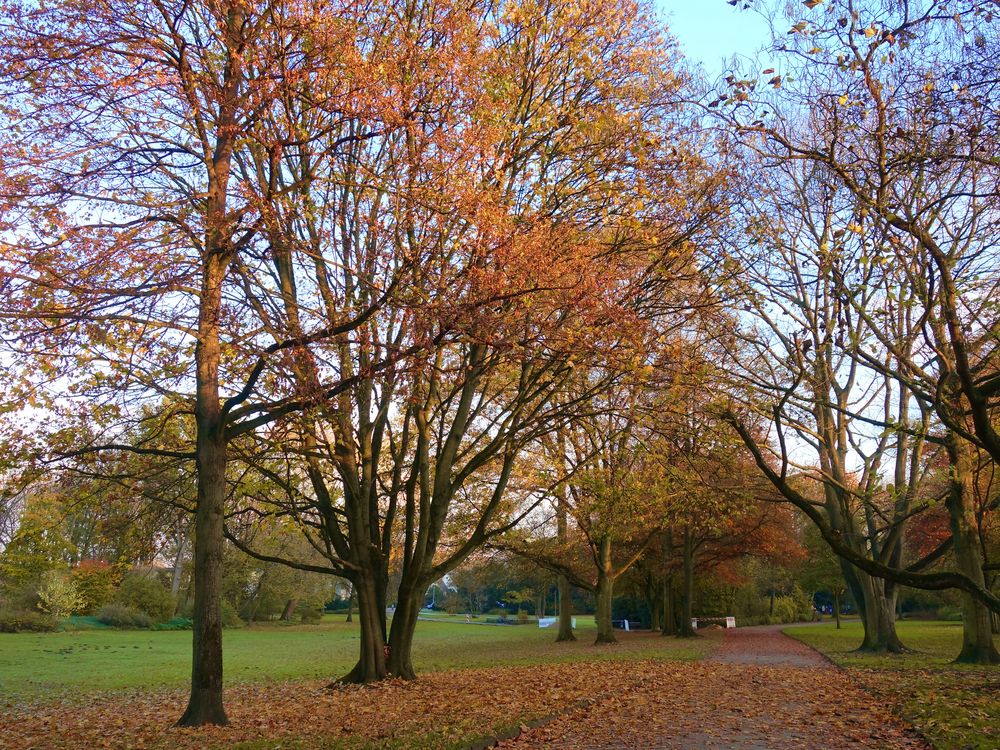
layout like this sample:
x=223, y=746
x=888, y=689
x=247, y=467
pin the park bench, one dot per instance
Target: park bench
x=730, y=622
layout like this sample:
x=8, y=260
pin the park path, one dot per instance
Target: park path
x=759, y=690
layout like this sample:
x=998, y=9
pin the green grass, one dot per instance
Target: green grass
x=956, y=706
x=60, y=665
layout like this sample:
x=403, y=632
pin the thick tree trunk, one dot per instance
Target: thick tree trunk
x=205, y=702
x=977, y=634
x=371, y=665
x=605, y=589
x=565, y=611
x=289, y=610
x=605, y=594
x=879, y=617
x=978, y=646
x=404, y=626
x=686, y=629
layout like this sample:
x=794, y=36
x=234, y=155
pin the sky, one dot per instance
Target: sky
x=710, y=31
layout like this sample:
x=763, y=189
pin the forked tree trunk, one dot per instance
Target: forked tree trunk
x=371, y=665
x=404, y=625
x=878, y=615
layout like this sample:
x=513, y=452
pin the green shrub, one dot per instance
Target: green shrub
x=122, y=616
x=950, y=614
x=82, y=622
x=230, y=617
x=309, y=612
x=793, y=607
x=29, y=622
x=58, y=594
x=146, y=594
x=175, y=623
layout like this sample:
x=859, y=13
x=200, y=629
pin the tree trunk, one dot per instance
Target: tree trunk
x=669, y=607
x=836, y=607
x=175, y=578
x=350, y=605
x=879, y=617
x=562, y=532
x=289, y=610
x=205, y=702
x=605, y=629
x=686, y=629
x=605, y=594
x=977, y=634
x=654, y=603
x=371, y=665
x=565, y=611
x=404, y=625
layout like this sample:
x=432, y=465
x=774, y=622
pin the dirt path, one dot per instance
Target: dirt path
x=760, y=690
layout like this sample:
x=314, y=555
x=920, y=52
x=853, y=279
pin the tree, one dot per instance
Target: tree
x=867, y=113
x=547, y=244
x=130, y=232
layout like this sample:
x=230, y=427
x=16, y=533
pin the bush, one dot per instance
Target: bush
x=146, y=594
x=95, y=582
x=230, y=617
x=121, y=616
x=175, y=623
x=950, y=614
x=82, y=622
x=310, y=613
x=793, y=607
x=27, y=622
x=58, y=594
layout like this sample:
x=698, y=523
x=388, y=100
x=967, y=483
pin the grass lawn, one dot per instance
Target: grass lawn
x=955, y=706
x=51, y=666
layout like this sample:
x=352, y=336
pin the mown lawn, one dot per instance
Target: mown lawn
x=59, y=665
x=956, y=706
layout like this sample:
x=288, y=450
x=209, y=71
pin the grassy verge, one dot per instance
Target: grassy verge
x=957, y=707
x=49, y=666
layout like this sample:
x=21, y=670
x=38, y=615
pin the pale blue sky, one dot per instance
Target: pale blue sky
x=711, y=31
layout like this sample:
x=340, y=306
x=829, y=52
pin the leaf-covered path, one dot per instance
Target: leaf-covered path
x=760, y=690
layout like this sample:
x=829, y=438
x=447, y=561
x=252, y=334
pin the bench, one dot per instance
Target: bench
x=730, y=622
